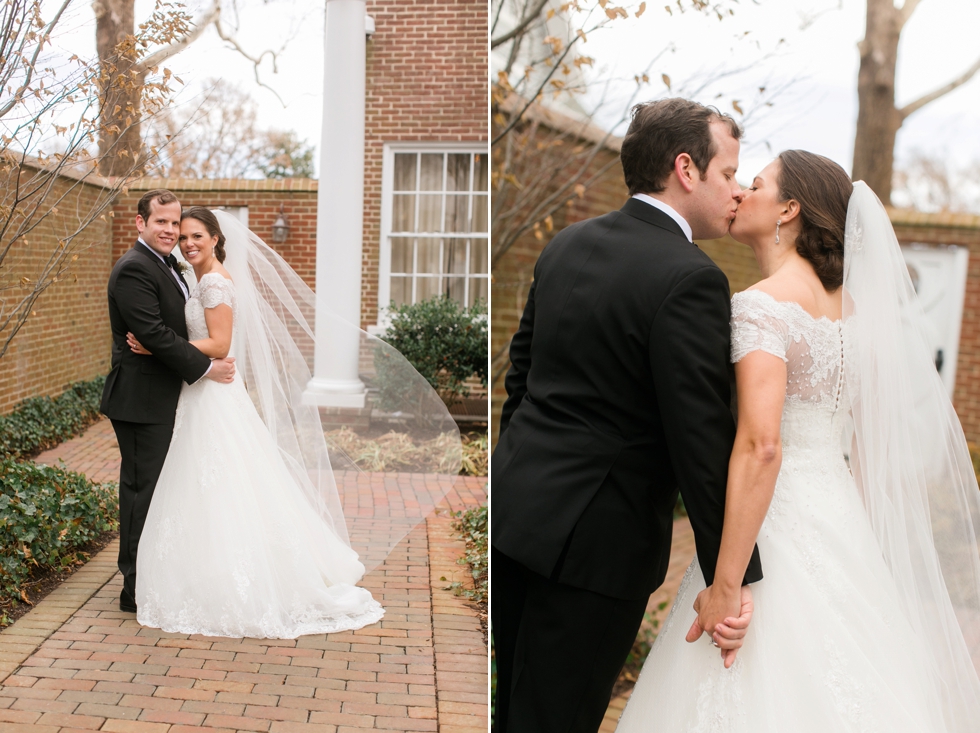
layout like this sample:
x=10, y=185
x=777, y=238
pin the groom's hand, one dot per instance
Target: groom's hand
x=222, y=370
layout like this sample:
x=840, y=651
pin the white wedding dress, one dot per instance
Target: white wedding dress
x=828, y=648
x=232, y=546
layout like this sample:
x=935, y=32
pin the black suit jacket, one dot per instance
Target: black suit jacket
x=618, y=397
x=145, y=298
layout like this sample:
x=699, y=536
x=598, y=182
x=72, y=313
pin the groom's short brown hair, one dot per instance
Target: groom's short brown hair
x=660, y=131
x=161, y=195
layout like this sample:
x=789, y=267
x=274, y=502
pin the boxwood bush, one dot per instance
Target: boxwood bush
x=46, y=514
x=446, y=343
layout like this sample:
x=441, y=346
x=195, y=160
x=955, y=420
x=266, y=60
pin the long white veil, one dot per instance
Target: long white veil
x=910, y=459
x=274, y=344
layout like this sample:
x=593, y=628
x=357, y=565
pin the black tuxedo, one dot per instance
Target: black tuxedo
x=618, y=397
x=140, y=395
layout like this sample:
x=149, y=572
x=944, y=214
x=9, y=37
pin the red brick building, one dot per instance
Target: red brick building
x=423, y=221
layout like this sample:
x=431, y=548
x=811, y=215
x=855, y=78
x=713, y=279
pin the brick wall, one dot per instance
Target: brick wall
x=67, y=339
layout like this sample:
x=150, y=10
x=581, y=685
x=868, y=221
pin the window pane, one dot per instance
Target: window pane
x=403, y=213
x=478, y=256
x=431, y=172
x=401, y=255
x=426, y=287
x=453, y=287
x=458, y=172
x=401, y=290
x=479, y=214
x=456, y=212
x=430, y=213
x=428, y=260
x=478, y=290
x=481, y=174
x=455, y=250
x=405, y=171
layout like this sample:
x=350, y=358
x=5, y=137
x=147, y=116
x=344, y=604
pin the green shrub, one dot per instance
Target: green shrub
x=39, y=423
x=46, y=514
x=472, y=526
x=445, y=341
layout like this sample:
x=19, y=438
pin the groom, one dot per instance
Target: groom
x=618, y=397
x=146, y=296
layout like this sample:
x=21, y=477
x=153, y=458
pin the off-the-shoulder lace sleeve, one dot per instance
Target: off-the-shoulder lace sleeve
x=757, y=326
x=215, y=289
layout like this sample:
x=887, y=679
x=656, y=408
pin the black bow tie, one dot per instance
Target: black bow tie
x=171, y=262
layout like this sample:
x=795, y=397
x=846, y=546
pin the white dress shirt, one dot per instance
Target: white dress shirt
x=183, y=288
x=658, y=204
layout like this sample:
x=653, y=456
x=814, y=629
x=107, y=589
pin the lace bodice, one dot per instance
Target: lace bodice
x=212, y=290
x=813, y=349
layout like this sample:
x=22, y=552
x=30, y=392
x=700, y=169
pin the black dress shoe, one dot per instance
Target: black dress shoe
x=127, y=607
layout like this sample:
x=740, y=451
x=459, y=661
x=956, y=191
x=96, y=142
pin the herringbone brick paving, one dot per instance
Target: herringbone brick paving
x=422, y=668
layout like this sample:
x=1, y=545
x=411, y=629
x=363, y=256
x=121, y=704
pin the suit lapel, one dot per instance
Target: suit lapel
x=168, y=273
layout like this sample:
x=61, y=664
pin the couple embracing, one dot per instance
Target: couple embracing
x=229, y=518
x=836, y=585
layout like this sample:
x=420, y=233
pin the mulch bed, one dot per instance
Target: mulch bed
x=43, y=582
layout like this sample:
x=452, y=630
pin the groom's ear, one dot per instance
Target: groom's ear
x=686, y=171
x=140, y=224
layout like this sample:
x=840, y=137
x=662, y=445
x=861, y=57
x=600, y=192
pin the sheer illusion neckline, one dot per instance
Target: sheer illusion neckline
x=793, y=303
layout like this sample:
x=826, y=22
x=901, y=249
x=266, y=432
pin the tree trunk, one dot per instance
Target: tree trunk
x=878, y=120
x=121, y=81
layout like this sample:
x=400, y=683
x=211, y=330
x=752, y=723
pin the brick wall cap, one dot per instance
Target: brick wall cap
x=943, y=219
x=563, y=121
x=226, y=184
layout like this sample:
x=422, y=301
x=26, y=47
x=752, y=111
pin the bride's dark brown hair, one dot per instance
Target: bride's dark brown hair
x=210, y=222
x=823, y=190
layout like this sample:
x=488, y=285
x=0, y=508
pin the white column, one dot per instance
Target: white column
x=340, y=206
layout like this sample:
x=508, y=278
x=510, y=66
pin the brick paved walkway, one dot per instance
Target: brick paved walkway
x=422, y=668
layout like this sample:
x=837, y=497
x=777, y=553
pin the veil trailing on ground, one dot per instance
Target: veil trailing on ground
x=274, y=345
x=910, y=458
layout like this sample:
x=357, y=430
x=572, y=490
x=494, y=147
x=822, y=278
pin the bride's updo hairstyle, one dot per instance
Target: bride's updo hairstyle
x=210, y=222
x=823, y=190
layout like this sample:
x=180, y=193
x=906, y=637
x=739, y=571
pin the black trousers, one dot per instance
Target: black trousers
x=143, y=449
x=559, y=650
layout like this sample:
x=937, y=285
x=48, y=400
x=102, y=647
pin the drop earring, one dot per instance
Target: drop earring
x=778, y=222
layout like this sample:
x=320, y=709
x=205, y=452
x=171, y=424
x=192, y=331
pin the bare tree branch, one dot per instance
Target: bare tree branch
x=517, y=30
x=256, y=60
x=942, y=91
x=213, y=15
x=908, y=9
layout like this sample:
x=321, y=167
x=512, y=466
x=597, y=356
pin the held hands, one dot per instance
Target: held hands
x=222, y=370
x=725, y=617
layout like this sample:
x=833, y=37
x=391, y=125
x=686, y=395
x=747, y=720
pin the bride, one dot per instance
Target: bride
x=868, y=617
x=245, y=536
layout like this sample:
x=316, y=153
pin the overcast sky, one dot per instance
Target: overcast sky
x=819, y=63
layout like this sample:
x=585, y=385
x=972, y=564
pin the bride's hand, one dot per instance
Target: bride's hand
x=730, y=634
x=134, y=345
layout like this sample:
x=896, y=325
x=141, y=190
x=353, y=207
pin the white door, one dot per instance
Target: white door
x=939, y=277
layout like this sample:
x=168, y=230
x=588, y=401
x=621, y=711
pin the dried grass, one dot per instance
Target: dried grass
x=395, y=451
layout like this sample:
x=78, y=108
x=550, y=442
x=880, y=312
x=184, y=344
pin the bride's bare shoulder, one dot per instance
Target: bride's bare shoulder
x=782, y=288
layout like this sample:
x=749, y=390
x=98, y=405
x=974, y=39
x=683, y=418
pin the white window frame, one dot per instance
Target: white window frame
x=387, y=205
